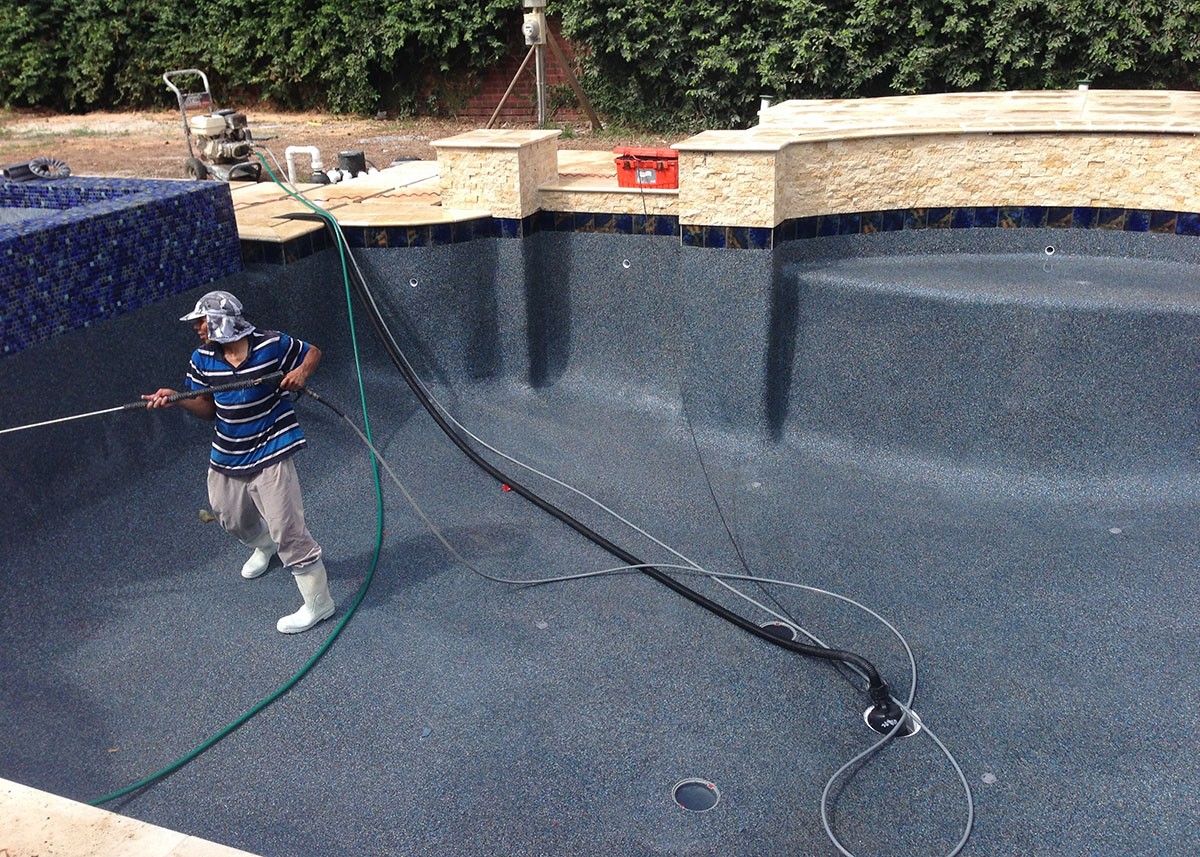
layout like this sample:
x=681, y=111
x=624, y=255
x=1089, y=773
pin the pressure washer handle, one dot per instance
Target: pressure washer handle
x=274, y=377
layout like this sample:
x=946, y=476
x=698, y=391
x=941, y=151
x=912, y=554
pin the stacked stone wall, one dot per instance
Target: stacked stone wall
x=770, y=174
x=497, y=171
x=1098, y=170
x=801, y=179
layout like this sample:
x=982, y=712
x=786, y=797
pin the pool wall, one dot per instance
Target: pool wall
x=974, y=348
x=938, y=351
x=87, y=249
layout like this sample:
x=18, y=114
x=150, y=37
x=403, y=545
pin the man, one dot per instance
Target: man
x=252, y=483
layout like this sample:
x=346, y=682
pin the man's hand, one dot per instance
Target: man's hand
x=294, y=381
x=158, y=399
x=201, y=406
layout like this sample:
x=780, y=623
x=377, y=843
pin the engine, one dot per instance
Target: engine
x=223, y=137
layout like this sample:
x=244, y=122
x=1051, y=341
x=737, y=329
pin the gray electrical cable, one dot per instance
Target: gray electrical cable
x=906, y=706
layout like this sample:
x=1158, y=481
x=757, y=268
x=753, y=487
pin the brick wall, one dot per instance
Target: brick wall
x=484, y=92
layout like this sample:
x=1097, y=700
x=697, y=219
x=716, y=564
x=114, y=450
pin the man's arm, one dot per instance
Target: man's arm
x=200, y=406
x=295, y=380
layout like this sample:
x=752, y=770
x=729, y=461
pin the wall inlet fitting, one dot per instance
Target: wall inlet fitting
x=882, y=722
x=695, y=795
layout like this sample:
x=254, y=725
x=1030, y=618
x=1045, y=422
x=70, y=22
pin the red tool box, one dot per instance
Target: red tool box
x=656, y=168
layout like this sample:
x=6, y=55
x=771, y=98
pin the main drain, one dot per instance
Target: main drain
x=878, y=720
x=696, y=795
x=780, y=630
x=883, y=723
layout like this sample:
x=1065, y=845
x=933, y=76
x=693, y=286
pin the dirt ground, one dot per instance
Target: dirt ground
x=152, y=145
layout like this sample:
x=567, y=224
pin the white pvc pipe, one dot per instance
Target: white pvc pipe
x=314, y=156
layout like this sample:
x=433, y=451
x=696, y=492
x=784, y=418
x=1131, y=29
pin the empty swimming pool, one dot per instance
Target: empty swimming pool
x=988, y=437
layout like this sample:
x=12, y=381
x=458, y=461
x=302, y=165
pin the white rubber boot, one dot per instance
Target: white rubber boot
x=260, y=560
x=318, y=604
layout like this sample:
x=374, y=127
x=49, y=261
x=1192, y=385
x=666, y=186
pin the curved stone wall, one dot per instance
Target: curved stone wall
x=1129, y=150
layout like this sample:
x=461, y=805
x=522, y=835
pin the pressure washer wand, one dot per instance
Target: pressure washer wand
x=275, y=377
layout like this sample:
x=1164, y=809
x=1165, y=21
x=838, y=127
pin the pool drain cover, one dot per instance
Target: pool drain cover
x=883, y=724
x=780, y=630
x=696, y=795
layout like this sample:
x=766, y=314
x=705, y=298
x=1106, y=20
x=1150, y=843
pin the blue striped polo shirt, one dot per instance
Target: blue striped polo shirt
x=255, y=426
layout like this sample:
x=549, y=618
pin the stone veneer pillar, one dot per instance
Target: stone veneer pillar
x=725, y=180
x=499, y=171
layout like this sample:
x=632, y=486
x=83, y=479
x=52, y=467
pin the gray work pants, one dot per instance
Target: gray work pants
x=269, y=501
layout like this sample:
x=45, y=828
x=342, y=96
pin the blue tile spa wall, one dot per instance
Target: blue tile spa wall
x=95, y=248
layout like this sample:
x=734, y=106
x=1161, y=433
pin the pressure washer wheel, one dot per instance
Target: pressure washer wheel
x=194, y=168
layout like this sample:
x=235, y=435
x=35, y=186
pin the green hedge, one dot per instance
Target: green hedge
x=678, y=63
x=346, y=56
x=704, y=63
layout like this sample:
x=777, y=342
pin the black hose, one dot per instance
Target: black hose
x=876, y=686
x=49, y=168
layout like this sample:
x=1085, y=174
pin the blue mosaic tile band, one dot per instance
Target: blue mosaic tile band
x=426, y=236
x=265, y=252
x=740, y=237
x=275, y=253
x=108, y=246
x=976, y=217
x=611, y=224
x=727, y=237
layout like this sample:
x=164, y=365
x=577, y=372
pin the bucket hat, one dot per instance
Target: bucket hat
x=224, y=314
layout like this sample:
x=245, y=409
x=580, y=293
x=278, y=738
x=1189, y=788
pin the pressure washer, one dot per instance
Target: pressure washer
x=140, y=405
x=219, y=142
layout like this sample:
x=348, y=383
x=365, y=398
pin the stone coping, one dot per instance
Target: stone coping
x=776, y=185
x=35, y=822
x=406, y=193
x=1020, y=111
x=409, y=194
x=495, y=138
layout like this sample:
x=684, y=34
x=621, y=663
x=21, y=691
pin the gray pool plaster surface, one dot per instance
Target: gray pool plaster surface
x=1006, y=475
